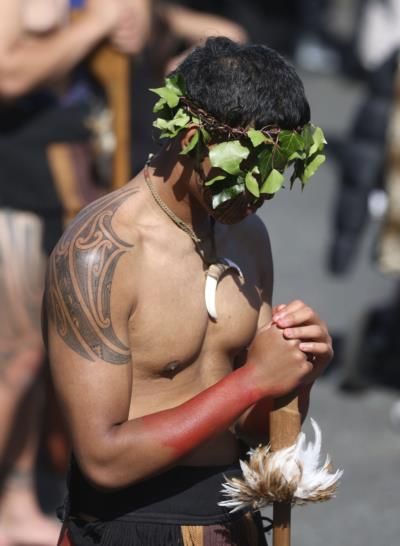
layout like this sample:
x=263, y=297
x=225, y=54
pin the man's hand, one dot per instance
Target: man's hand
x=300, y=322
x=279, y=365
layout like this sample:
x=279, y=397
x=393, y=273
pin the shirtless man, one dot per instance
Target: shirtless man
x=156, y=393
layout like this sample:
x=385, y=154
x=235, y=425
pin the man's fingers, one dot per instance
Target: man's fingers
x=317, y=348
x=302, y=315
x=314, y=332
x=277, y=308
x=289, y=309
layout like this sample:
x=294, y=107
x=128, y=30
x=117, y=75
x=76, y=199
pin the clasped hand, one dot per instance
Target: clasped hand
x=300, y=322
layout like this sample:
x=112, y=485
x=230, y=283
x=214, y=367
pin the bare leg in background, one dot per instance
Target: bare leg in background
x=22, y=265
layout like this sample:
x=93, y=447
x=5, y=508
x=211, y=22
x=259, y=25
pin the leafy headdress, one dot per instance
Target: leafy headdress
x=249, y=160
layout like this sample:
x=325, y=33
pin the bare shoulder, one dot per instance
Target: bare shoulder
x=252, y=228
x=80, y=299
x=253, y=237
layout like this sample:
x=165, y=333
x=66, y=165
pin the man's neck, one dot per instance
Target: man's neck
x=176, y=183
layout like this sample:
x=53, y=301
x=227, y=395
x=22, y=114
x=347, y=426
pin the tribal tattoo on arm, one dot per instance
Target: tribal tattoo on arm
x=80, y=275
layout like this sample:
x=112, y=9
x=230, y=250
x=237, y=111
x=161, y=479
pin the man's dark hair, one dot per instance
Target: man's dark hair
x=243, y=85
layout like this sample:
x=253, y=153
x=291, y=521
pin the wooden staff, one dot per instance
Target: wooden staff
x=112, y=69
x=285, y=424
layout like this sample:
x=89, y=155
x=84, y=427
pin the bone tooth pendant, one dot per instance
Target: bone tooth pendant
x=210, y=293
x=234, y=266
x=214, y=273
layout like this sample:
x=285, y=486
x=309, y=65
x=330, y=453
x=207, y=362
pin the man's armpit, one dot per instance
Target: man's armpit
x=80, y=276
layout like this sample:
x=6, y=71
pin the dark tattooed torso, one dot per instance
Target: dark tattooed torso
x=78, y=291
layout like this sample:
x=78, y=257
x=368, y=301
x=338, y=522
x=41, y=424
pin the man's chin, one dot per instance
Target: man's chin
x=228, y=220
x=233, y=212
x=230, y=212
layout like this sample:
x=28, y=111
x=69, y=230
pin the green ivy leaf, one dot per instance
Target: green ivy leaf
x=192, y=144
x=170, y=128
x=297, y=155
x=228, y=193
x=256, y=137
x=318, y=141
x=265, y=162
x=169, y=96
x=307, y=136
x=176, y=84
x=228, y=156
x=159, y=105
x=291, y=143
x=279, y=158
x=215, y=179
x=273, y=183
x=160, y=123
x=181, y=119
x=271, y=158
x=312, y=167
x=252, y=184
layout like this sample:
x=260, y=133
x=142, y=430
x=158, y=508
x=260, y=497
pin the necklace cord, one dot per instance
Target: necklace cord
x=179, y=222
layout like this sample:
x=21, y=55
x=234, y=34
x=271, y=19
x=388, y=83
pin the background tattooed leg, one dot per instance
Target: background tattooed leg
x=22, y=266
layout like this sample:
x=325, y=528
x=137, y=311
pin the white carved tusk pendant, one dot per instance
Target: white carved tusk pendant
x=213, y=275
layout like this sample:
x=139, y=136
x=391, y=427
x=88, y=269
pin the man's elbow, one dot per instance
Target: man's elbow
x=106, y=471
x=102, y=476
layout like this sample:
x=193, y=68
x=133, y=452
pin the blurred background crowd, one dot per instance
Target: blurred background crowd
x=76, y=122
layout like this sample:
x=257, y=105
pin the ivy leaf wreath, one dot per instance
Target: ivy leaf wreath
x=246, y=159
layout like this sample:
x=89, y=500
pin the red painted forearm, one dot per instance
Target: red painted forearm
x=144, y=446
x=253, y=425
x=199, y=419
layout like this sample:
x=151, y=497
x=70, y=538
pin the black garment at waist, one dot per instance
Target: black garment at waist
x=182, y=495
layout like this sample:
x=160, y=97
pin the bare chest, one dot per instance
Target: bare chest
x=171, y=329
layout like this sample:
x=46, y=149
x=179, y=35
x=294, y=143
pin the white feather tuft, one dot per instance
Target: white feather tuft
x=293, y=474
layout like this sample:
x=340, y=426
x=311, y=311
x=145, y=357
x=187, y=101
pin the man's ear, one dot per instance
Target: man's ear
x=187, y=137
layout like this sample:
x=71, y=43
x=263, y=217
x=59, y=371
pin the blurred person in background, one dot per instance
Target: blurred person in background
x=362, y=166
x=312, y=49
x=296, y=28
x=366, y=171
x=43, y=100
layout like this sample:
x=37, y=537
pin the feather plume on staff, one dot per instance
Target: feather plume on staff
x=290, y=475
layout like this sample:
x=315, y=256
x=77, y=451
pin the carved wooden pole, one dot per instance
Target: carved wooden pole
x=285, y=424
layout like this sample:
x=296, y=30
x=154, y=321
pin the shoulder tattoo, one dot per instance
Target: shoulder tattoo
x=78, y=288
